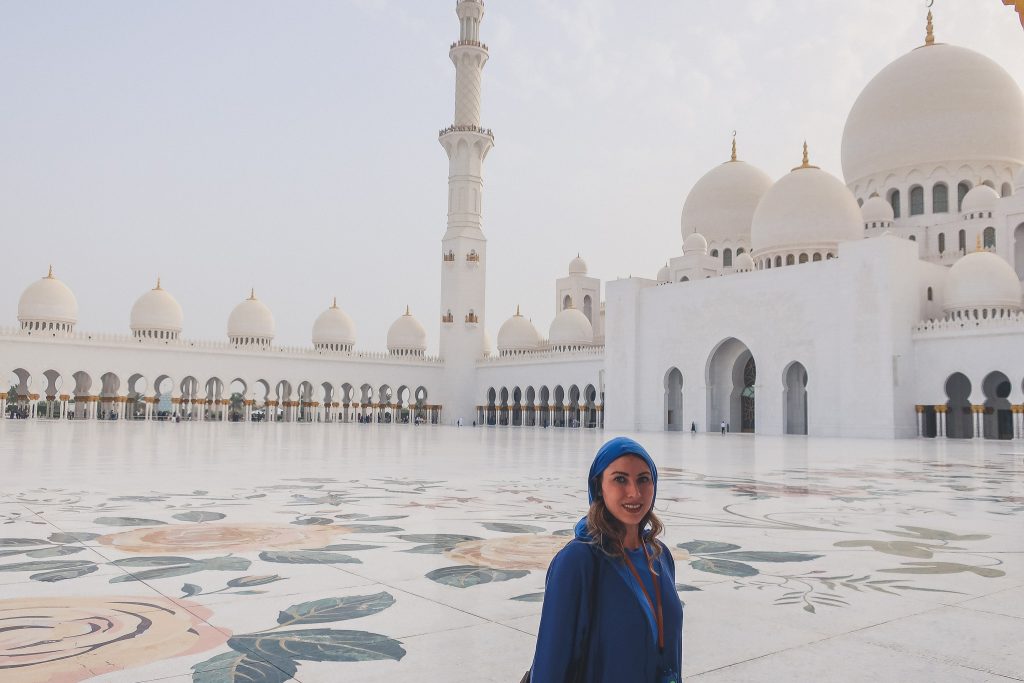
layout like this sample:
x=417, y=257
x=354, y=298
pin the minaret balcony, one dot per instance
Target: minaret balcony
x=449, y=257
x=469, y=43
x=467, y=129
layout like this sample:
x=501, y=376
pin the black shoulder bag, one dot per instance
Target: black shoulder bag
x=578, y=669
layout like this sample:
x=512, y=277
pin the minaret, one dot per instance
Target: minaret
x=464, y=248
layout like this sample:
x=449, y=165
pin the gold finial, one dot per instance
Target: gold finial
x=157, y=282
x=407, y=310
x=806, y=163
x=49, y=273
x=252, y=294
x=334, y=304
x=518, y=314
x=929, y=35
x=733, y=146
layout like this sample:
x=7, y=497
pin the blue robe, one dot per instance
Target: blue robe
x=622, y=647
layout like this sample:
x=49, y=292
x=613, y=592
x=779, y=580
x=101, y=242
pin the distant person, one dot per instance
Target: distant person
x=693, y=427
x=611, y=612
x=723, y=426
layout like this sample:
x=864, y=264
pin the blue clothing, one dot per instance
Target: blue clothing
x=611, y=451
x=622, y=647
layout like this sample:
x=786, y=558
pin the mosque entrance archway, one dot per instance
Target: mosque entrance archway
x=731, y=378
x=674, y=401
x=794, y=399
x=997, y=421
x=959, y=422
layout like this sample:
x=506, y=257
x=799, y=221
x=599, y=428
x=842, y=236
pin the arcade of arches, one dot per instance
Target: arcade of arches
x=111, y=397
x=731, y=382
x=543, y=407
x=974, y=409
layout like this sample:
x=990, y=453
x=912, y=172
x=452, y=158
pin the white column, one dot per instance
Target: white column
x=979, y=421
x=920, y=420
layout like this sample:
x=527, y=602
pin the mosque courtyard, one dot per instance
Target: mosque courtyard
x=211, y=552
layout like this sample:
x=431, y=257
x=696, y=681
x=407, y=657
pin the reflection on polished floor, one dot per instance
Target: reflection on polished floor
x=319, y=553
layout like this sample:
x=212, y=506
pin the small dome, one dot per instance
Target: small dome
x=46, y=301
x=517, y=334
x=938, y=104
x=334, y=327
x=577, y=266
x=721, y=204
x=570, y=328
x=982, y=280
x=743, y=263
x=156, y=311
x=695, y=244
x=807, y=207
x=664, y=275
x=980, y=198
x=251, y=322
x=877, y=210
x=406, y=335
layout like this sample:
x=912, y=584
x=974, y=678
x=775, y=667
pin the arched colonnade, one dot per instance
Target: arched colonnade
x=544, y=406
x=82, y=394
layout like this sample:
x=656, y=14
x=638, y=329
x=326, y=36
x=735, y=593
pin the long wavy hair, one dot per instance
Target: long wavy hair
x=609, y=533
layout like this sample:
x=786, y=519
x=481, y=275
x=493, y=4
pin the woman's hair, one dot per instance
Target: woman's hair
x=608, y=533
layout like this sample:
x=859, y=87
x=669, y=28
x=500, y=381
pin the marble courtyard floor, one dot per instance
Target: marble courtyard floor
x=321, y=553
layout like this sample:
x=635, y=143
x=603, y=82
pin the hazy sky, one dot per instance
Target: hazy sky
x=292, y=146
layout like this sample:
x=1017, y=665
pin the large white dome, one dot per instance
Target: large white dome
x=570, y=328
x=938, y=104
x=334, y=327
x=251, y=322
x=694, y=244
x=721, y=204
x=577, y=266
x=806, y=208
x=407, y=335
x=47, y=301
x=156, y=311
x=517, y=334
x=982, y=280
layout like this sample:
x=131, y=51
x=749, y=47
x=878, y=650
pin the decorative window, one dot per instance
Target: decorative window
x=961, y=191
x=803, y=258
x=714, y=252
x=816, y=257
x=913, y=238
x=1006, y=190
x=962, y=241
x=566, y=302
x=929, y=294
x=894, y=201
x=940, y=198
x=727, y=258
x=473, y=257
x=989, y=238
x=449, y=256
x=916, y=200
x=790, y=260
x=448, y=317
x=942, y=242
x=778, y=261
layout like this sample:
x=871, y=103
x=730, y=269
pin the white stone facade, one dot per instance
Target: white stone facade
x=888, y=305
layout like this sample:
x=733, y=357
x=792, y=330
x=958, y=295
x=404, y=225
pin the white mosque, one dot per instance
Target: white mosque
x=888, y=305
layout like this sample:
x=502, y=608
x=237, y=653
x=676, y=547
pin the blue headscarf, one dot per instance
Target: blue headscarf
x=606, y=455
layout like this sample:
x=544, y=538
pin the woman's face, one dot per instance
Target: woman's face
x=628, y=489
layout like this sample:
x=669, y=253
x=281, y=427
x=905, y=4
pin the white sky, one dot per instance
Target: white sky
x=293, y=146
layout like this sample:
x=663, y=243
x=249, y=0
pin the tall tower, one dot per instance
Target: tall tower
x=464, y=247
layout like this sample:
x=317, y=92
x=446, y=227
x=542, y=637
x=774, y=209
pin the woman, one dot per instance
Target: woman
x=611, y=612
